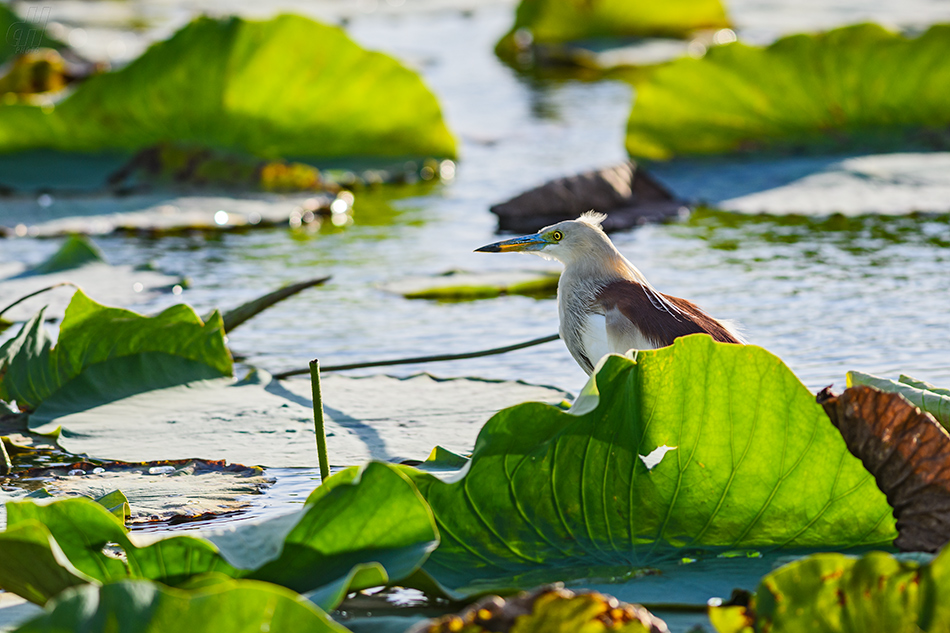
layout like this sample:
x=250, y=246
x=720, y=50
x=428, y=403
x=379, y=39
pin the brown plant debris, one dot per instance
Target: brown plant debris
x=548, y=609
x=626, y=193
x=907, y=451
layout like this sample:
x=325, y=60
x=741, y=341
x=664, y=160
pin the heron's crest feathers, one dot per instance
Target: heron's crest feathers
x=593, y=218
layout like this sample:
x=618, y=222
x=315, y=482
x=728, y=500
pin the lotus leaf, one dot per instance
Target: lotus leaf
x=369, y=530
x=697, y=450
x=104, y=354
x=844, y=594
x=285, y=88
x=74, y=533
x=854, y=87
x=75, y=252
x=238, y=606
x=554, y=21
x=934, y=401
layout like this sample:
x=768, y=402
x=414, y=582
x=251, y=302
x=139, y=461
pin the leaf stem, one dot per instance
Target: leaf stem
x=426, y=359
x=38, y=292
x=318, y=420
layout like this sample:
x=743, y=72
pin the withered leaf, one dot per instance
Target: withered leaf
x=907, y=451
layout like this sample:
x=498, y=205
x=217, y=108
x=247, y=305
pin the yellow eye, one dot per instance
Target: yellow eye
x=557, y=236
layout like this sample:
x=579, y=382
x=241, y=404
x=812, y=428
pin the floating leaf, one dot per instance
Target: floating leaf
x=909, y=455
x=834, y=592
x=370, y=528
x=104, y=354
x=262, y=421
x=463, y=286
x=146, y=607
x=113, y=285
x=285, y=88
x=858, y=86
x=555, y=21
x=158, y=491
x=918, y=393
x=751, y=465
x=75, y=252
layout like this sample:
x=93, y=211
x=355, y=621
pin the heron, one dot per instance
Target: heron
x=604, y=302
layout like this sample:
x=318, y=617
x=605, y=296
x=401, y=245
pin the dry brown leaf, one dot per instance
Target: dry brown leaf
x=907, y=451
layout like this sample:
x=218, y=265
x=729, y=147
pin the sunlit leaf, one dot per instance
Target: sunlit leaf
x=285, y=88
x=104, y=354
x=703, y=451
x=553, y=21
x=853, y=87
x=239, y=606
x=843, y=594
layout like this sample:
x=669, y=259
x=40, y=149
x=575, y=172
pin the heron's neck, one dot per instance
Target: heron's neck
x=600, y=263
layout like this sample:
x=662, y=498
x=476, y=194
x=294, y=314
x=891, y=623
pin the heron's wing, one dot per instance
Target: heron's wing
x=636, y=319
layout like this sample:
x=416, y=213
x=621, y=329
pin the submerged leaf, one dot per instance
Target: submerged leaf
x=104, y=354
x=285, y=88
x=555, y=495
x=858, y=86
x=146, y=607
x=909, y=455
x=170, y=492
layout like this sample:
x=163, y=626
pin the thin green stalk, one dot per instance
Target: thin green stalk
x=6, y=464
x=318, y=420
x=40, y=291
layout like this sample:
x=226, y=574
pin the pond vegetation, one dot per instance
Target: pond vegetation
x=675, y=479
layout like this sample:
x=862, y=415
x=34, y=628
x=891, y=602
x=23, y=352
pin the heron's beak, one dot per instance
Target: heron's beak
x=527, y=243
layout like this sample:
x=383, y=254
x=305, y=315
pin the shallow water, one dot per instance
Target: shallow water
x=871, y=294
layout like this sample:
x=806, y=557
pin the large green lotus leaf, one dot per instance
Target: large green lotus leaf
x=751, y=462
x=853, y=87
x=368, y=529
x=237, y=606
x=920, y=394
x=33, y=566
x=364, y=531
x=81, y=529
x=553, y=21
x=843, y=594
x=285, y=88
x=105, y=354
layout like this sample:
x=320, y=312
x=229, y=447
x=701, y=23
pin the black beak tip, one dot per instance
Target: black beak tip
x=489, y=248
